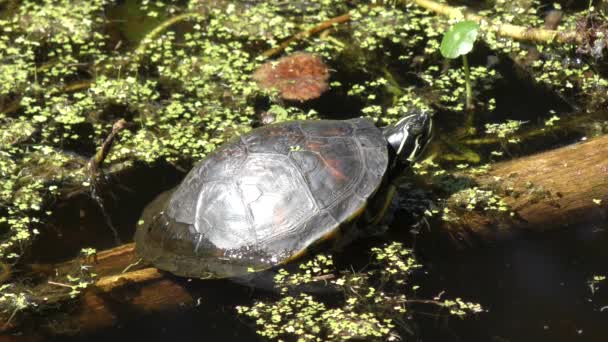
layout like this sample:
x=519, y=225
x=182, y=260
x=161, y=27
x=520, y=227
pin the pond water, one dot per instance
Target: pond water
x=535, y=288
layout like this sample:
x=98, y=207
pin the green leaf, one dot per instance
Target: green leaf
x=459, y=39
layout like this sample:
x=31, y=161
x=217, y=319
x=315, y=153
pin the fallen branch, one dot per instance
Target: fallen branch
x=109, y=283
x=307, y=33
x=503, y=29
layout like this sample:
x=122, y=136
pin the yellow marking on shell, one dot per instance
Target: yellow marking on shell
x=314, y=246
x=297, y=255
x=357, y=213
x=329, y=236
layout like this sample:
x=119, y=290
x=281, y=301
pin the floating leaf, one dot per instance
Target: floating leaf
x=299, y=77
x=459, y=39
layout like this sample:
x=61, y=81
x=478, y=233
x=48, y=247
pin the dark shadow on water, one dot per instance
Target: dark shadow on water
x=78, y=222
x=535, y=288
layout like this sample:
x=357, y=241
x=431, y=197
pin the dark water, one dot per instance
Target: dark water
x=534, y=288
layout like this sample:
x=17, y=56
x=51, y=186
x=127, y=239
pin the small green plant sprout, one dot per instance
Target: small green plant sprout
x=459, y=41
x=552, y=120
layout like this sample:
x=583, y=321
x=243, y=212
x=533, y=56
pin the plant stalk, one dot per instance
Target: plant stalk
x=467, y=84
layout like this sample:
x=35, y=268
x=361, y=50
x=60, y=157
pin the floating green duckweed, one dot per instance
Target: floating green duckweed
x=375, y=300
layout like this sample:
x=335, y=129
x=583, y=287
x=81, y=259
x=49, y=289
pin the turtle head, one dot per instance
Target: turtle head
x=409, y=136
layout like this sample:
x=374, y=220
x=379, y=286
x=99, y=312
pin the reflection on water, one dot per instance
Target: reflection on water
x=535, y=289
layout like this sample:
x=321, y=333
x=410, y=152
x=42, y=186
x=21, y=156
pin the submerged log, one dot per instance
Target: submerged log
x=555, y=189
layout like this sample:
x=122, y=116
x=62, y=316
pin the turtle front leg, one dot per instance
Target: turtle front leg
x=385, y=199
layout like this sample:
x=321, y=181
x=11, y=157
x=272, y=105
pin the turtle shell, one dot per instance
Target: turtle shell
x=264, y=197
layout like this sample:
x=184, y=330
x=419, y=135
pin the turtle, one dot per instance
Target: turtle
x=271, y=195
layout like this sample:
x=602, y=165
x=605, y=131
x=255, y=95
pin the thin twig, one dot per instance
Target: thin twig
x=96, y=175
x=307, y=33
x=97, y=160
x=131, y=265
x=60, y=284
x=10, y=318
x=324, y=277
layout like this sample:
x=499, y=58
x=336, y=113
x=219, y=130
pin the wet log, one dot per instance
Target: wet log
x=561, y=188
x=564, y=187
x=123, y=288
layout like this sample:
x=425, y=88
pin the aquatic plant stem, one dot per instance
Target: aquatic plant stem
x=392, y=86
x=143, y=44
x=502, y=29
x=468, y=92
